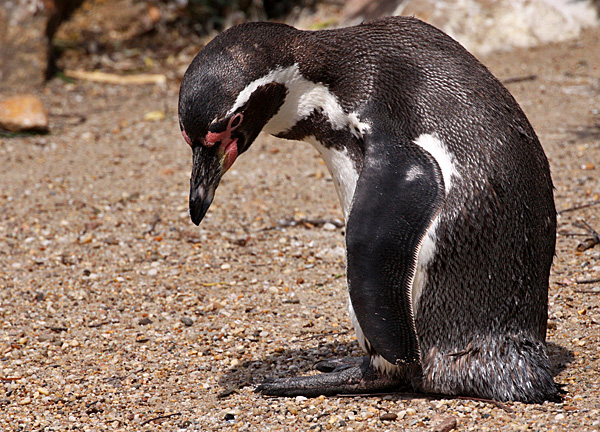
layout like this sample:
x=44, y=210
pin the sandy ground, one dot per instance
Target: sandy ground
x=116, y=313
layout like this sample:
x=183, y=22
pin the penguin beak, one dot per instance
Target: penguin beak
x=206, y=175
x=200, y=200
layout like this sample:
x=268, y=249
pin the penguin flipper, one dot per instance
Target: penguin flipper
x=351, y=376
x=398, y=195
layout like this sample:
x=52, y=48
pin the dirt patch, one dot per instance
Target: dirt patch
x=116, y=313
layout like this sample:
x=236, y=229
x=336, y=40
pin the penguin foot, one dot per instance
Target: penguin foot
x=337, y=365
x=343, y=376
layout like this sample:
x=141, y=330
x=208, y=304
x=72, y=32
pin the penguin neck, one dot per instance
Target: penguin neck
x=303, y=99
x=312, y=113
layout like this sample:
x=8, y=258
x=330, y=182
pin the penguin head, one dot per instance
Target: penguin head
x=220, y=112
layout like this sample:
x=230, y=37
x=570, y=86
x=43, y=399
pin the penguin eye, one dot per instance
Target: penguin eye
x=236, y=120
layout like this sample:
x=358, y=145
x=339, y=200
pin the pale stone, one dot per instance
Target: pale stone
x=23, y=113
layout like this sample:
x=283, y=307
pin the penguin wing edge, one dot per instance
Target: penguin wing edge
x=399, y=194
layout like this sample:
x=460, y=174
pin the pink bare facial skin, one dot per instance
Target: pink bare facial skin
x=231, y=154
x=225, y=137
x=228, y=147
x=186, y=138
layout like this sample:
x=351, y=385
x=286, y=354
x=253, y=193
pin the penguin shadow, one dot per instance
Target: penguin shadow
x=284, y=364
x=297, y=362
x=560, y=357
x=586, y=132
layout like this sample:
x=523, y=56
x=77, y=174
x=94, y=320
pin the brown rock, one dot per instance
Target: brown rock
x=23, y=113
x=446, y=425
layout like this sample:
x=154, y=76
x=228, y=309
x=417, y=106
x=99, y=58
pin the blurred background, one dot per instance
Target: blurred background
x=39, y=38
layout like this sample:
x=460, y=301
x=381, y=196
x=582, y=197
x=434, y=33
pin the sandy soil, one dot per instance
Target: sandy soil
x=116, y=313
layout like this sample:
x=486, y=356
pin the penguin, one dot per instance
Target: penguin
x=445, y=189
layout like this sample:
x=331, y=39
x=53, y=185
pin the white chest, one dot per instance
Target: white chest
x=343, y=171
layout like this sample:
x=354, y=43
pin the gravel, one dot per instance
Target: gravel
x=116, y=313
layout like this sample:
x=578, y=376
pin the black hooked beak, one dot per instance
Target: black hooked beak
x=206, y=175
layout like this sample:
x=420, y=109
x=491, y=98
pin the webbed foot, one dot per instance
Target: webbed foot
x=349, y=375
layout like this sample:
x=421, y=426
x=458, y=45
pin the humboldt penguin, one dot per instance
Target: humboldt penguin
x=445, y=188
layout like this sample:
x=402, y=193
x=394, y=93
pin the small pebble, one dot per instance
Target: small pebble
x=446, y=425
x=145, y=321
x=86, y=238
x=187, y=321
x=292, y=410
x=154, y=115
